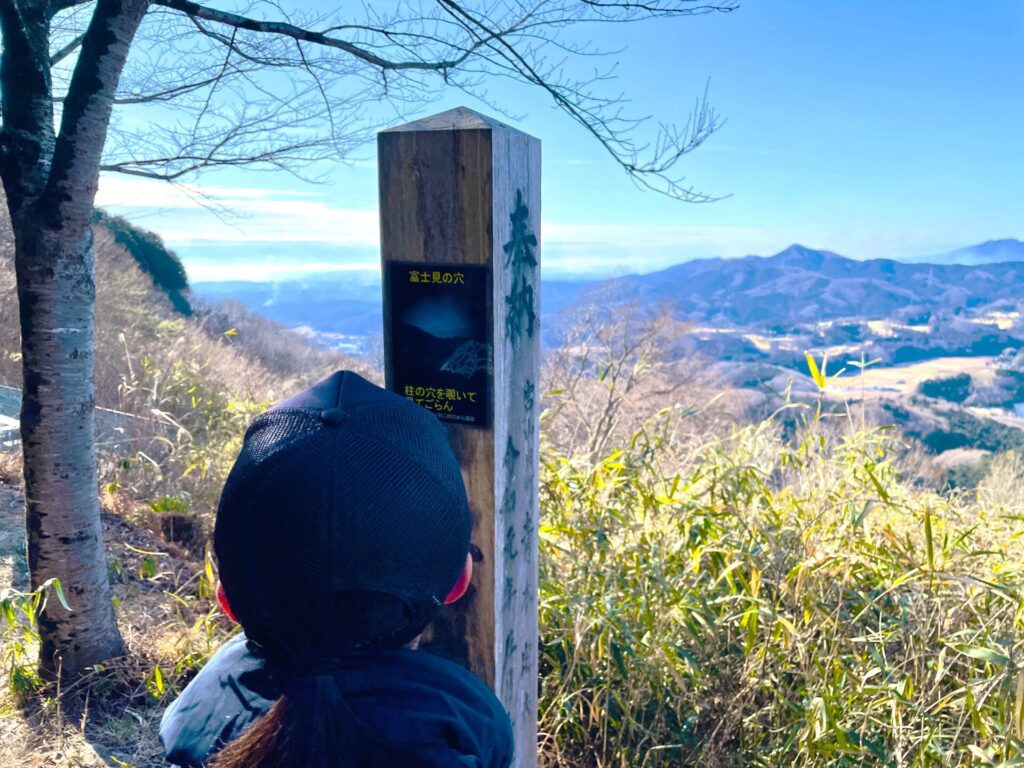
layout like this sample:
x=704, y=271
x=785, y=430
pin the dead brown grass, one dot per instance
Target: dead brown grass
x=110, y=717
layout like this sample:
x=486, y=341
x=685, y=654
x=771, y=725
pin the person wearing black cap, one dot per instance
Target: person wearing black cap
x=341, y=530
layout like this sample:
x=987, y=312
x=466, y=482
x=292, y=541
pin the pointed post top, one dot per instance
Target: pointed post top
x=458, y=119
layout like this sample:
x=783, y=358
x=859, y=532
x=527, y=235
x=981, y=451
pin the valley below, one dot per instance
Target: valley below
x=933, y=347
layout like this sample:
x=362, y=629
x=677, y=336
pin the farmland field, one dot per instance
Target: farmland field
x=895, y=380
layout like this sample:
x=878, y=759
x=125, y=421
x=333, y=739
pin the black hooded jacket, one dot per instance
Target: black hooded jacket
x=410, y=699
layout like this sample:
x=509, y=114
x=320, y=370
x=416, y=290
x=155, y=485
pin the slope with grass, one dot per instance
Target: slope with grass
x=714, y=592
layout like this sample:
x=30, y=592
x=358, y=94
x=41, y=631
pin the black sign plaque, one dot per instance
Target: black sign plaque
x=441, y=356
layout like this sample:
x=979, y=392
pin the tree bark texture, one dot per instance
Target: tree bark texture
x=50, y=182
x=55, y=291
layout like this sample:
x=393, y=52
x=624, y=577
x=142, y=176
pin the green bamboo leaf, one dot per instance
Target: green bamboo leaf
x=836, y=375
x=981, y=653
x=54, y=586
x=617, y=657
x=211, y=579
x=981, y=754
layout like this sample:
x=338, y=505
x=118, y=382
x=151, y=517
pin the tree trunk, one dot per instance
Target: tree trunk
x=51, y=181
x=56, y=295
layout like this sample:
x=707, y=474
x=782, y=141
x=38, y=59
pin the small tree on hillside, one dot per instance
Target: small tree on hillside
x=612, y=358
x=258, y=87
x=955, y=389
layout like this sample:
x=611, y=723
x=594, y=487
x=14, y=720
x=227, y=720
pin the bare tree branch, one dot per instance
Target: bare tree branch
x=67, y=50
x=298, y=33
x=27, y=137
x=668, y=8
x=591, y=112
x=346, y=69
x=56, y=6
x=168, y=94
x=86, y=114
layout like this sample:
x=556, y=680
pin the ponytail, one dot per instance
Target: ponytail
x=310, y=726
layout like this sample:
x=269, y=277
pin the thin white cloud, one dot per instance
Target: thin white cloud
x=707, y=241
x=184, y=214
x=257, y=223
x=267, y=273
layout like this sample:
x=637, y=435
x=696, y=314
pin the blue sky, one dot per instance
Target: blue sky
x=870, y=128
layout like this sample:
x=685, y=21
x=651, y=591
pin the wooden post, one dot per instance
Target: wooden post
x=460, y=232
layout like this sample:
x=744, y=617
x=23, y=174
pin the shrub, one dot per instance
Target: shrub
x=955, y=389
x=777, y=604
x=19, y=636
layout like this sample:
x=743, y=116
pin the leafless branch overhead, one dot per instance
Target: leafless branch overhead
x=198, y=68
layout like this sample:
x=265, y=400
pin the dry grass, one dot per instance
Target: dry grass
x=110, y=717
x=619, y=367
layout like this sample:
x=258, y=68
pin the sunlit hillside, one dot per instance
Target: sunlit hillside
x=728, y=579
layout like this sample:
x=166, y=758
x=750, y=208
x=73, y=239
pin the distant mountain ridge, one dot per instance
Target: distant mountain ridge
x=801, y=285
x=798, y=285
x=989, y=252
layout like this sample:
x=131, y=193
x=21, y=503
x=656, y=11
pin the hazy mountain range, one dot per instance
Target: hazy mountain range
x=991, y=252
x=802, y=285
x=797, y=285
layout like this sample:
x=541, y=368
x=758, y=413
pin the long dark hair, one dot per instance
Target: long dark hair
x=311, y=726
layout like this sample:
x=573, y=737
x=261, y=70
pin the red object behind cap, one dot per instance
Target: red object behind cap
x=222, y=598
x=462, y=585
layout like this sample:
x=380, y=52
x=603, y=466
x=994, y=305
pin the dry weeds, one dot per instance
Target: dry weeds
x=110, y=717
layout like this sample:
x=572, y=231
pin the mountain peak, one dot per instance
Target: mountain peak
x=798, y=255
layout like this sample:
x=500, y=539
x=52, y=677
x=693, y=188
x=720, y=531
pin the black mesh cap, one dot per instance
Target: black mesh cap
x=344, y=521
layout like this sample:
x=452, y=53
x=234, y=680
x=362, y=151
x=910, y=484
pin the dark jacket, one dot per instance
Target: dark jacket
x=407, y=698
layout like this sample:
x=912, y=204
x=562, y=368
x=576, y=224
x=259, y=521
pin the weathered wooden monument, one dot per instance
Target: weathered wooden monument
x=460, y=250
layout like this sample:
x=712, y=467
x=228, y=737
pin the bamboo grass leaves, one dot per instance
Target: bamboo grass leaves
x=775, y=602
